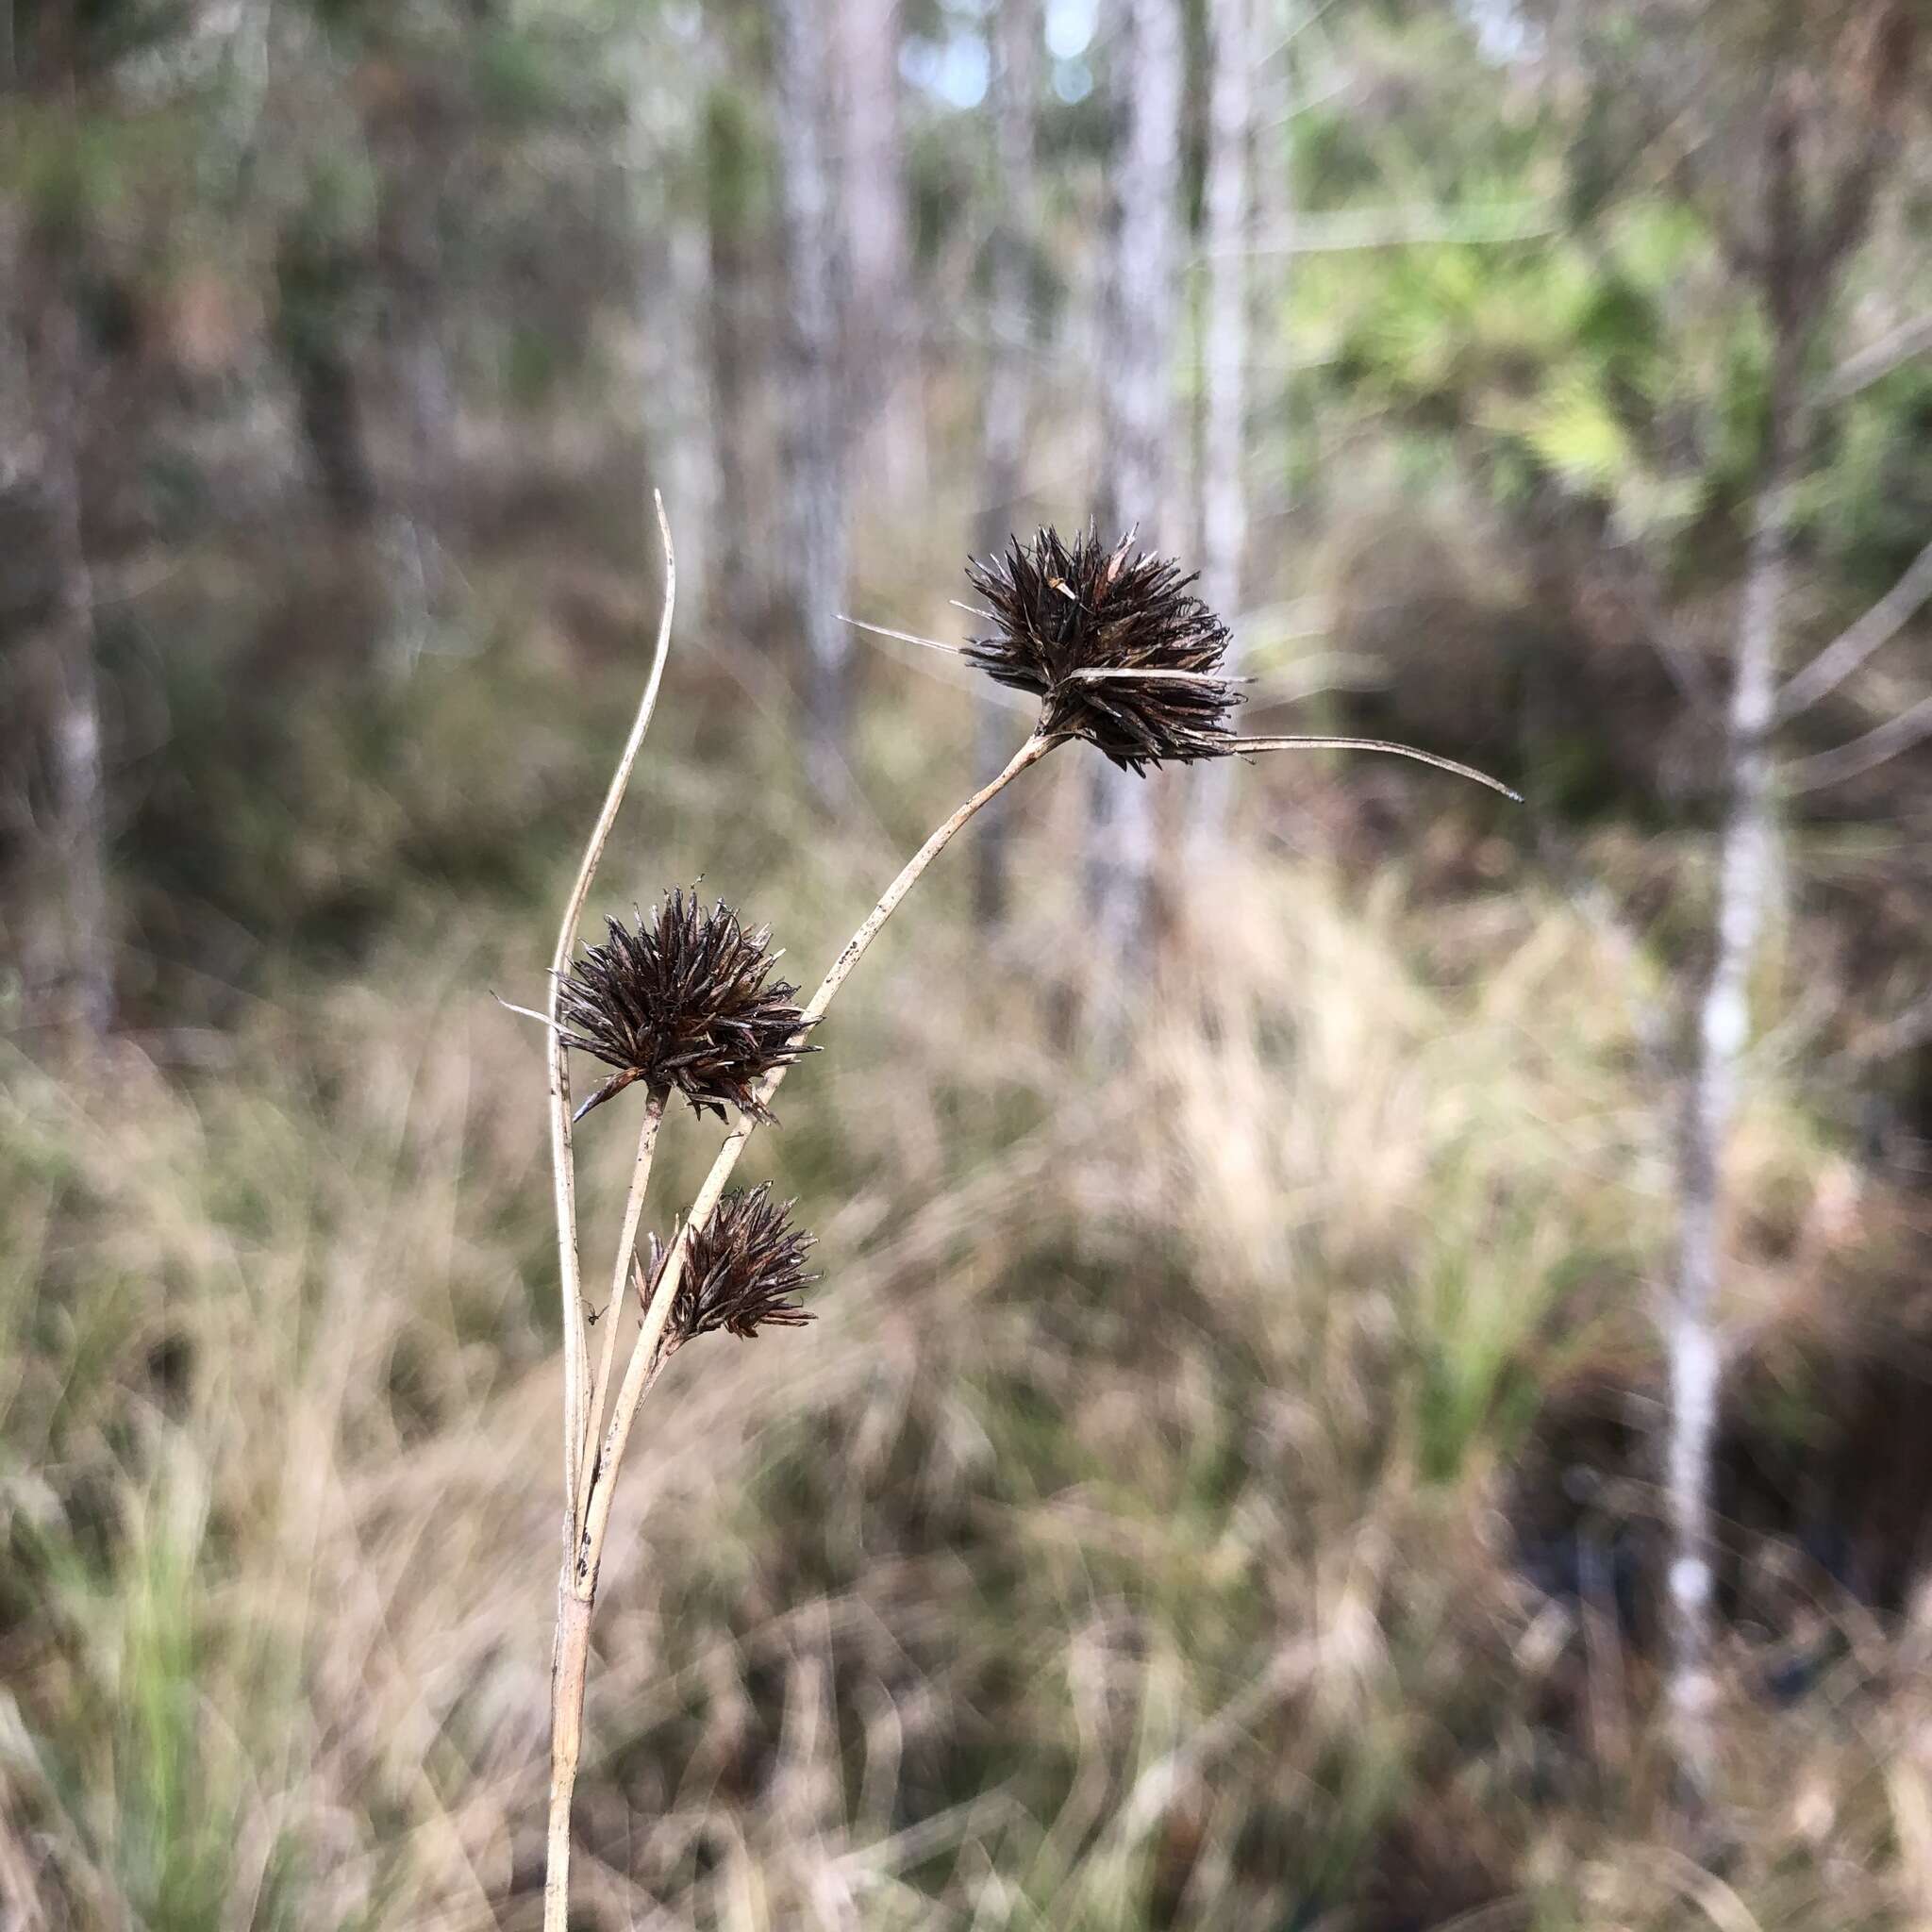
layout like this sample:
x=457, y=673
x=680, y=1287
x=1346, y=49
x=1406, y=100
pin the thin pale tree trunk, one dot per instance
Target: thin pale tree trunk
x=871, y=162
x=1746, y=851
x=1136, y=412
x=882, y=395
x=417, y=534
x=1794, y=260
x=1228, y=197
x=675, y=423
x=410, y=256
x=69, y=959
x=314, y=276
x=1274, y=210
x=820, y=441
x=1009, y=388
x=736, y=593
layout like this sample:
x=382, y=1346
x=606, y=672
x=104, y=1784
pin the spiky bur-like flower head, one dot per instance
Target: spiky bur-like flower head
x=742, y=1270
x=685, y=1003
x=1114, y=643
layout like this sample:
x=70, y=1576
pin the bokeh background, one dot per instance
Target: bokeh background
x=1225, y=1483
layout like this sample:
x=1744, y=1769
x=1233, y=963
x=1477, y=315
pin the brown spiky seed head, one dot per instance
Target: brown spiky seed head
x=1114, y=643
x=742, y=1270
x=685, y=1003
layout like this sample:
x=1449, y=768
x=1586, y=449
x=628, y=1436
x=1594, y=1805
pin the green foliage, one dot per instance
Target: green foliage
x=51, y=39
x=1552, y=359
x=737, y=161
x=323, y=289
x=1870, y=505
x=1112, y=1413
x=81, y=176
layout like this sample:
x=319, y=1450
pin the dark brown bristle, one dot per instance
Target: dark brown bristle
x=687, y=1004
x=741, y=1271
x=1064, y=612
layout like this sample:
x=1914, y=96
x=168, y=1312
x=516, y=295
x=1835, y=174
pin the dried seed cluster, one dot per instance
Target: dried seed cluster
x=742, y=1271
x=1114, y=643
x=687, y=1004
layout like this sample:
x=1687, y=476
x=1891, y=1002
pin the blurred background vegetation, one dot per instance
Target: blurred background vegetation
x=1225, y=1485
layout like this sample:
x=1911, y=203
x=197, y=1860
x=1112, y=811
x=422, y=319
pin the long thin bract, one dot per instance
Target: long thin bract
x=1238, y=747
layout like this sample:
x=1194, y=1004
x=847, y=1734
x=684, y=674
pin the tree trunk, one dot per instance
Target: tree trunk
x=674, y=424
x=819, y=443
x=1794, y=262
x=871, y=148
x=1224, y=351
x=738, y=596
x=871, y=165
x=313, y=282
x=1136, y=415
x=412, y=144
x=67, y=946
x=1745, y=857
x=416, y=558
x=1008, y=387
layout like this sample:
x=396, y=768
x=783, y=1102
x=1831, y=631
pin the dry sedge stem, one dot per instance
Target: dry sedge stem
x=626, y=1249
x=664, y=1289
x=564, y=1172
x=1119, y=652
x=744, y=1263
x=571, y=1653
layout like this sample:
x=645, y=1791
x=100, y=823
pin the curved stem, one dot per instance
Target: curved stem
x=570, y=1653
x=1240, y=747
x=564, y=1172
x=645, y=1356
x=620, y=1276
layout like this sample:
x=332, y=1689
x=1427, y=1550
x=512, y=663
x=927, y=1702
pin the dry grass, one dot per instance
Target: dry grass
x=1124, y=1546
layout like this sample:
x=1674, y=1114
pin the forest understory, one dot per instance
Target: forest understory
x=1371, y=1369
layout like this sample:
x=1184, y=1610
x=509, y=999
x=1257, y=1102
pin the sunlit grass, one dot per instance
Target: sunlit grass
x=1122, y=1548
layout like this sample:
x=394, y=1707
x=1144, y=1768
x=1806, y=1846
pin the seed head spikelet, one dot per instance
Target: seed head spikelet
x=1114, y=645
x=687, y=1004
x=743, y=1270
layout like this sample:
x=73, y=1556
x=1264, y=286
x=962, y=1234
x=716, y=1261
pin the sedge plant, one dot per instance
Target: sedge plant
x=1119, y=654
